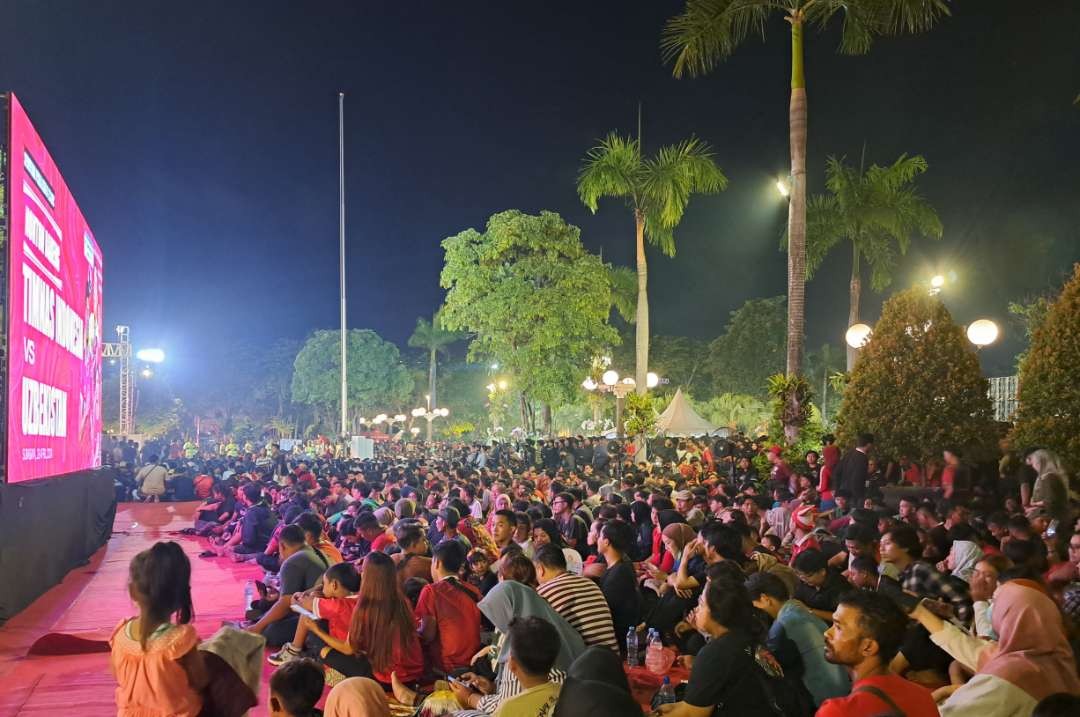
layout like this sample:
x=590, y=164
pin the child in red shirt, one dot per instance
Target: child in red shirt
x=339, y=594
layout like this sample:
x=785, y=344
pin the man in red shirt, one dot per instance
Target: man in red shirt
x=866, y=634
x=447, y=612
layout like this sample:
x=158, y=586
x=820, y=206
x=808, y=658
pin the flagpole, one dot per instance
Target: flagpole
x=341, y=240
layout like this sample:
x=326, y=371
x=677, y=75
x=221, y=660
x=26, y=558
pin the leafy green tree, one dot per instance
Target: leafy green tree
x=1029, y=315
x=433, y=338
x=707, y=32
x=533, y=298
x=876, y=210
x=657, y=190
x=751, y=349
x=462, y=391
x=1049, y=394
x=917, y=385
x=376, y=378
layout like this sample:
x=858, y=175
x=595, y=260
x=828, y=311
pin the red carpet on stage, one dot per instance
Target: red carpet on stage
x=89, y=603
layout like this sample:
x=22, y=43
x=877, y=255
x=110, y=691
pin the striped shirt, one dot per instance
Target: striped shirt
x=581, y=603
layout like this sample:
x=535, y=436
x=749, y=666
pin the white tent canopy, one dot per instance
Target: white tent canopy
x=680, y=419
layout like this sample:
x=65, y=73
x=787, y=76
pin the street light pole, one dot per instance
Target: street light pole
x=341, y=268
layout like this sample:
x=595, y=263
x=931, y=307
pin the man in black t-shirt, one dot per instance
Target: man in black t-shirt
x=820, y=587
x=619, y=583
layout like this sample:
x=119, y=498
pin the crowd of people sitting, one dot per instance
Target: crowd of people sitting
x=527, y=576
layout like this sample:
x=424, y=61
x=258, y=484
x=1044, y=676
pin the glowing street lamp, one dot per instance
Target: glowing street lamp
x=503, y=384
x=858, y=335
x=783, y=187
x=610, y=377
x=147, y=372
x=982, y=332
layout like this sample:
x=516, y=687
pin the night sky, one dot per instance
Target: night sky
x=200, y=140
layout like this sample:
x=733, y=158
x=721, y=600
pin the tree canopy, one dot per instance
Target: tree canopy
x=751, y=349
x=917, y=385
x=1049, y=393
x=535, y=300
x=377, y=379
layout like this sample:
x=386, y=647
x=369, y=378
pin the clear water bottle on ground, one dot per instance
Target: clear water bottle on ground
x=631, y=647
x=249, y=594
x=654, y=653
x=666, y=695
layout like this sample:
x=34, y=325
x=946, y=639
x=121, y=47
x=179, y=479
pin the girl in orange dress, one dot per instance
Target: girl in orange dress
x=158, y=668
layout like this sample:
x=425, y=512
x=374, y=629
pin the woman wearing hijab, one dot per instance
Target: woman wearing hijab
x=1031, y=660
x=962, y=559
x=357, y=697
x=660, y=557
x=502, y=604
x=545, y=531
x=596, y=686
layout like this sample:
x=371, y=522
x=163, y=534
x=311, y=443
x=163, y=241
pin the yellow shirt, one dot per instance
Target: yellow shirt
x=536, y=701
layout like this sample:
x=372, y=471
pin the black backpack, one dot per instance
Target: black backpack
x=785, y=695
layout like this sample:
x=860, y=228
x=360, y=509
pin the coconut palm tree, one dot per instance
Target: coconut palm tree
x=877, y=210
x=657, y=190
x=707, y=32
x=431, y=336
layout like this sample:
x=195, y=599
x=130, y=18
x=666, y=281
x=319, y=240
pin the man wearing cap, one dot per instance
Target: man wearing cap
x=446, y=527
x=684, y=503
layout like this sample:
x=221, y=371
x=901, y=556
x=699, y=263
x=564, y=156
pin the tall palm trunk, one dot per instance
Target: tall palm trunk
x=641, y=332
x=641, y=336
x=854, y=294
x=432, y=360
x=796, y=209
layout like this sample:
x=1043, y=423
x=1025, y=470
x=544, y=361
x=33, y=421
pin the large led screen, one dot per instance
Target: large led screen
x=54, y=316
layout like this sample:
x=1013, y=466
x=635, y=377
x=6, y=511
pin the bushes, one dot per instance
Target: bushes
x=917, y=385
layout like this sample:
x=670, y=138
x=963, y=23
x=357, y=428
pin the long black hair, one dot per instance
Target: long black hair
x=161, y=579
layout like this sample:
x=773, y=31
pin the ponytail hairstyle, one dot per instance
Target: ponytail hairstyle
x=160, y=581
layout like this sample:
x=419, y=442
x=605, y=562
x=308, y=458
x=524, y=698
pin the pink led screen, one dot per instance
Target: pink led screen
x=54, y=316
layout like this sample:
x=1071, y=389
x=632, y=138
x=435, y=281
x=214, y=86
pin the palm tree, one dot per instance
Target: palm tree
x=657, y=189
x=431, y=336
x=708, y=32
x=877, y=210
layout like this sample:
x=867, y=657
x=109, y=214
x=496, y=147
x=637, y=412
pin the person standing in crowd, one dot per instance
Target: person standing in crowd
x=853, y=471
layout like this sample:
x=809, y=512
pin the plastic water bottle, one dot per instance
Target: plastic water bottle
x=666, y=695
x=249, y=594
x=631, y=647
x=654, y=653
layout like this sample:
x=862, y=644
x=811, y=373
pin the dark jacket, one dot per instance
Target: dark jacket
x=257, y=527
x=851, y=474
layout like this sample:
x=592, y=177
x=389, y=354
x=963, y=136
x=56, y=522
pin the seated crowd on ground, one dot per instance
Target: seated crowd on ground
x=524, y=573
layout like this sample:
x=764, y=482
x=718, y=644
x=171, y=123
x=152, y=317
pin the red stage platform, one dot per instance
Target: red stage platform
x=92, y=600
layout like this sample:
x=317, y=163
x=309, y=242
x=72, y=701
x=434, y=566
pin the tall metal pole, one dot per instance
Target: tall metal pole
x=341, y=239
